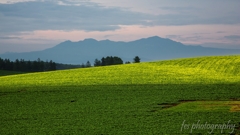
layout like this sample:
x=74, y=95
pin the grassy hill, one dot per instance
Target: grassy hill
x=145, y=98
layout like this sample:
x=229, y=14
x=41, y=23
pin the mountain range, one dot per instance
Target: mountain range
x=148, y=49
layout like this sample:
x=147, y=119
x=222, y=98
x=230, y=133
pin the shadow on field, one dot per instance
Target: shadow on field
x=108, y=109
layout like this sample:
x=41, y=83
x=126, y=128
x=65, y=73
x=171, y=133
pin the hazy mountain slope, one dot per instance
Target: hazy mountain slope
x=148, y=49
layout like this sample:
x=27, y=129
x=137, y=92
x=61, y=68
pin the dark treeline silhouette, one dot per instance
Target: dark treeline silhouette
x=39, y=65
x=109, y=60
x=27, y=66
x=60, y=66
x=88, y=64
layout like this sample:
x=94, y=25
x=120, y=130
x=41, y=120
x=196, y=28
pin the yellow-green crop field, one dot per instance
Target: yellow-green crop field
x=162, y=97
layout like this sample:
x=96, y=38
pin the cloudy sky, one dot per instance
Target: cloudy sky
x=27, y=25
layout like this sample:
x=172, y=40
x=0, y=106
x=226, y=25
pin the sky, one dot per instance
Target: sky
x=30, y=25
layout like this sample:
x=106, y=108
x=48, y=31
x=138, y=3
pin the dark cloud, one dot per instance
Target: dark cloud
x=89, y=16
x=221, y=32
x=10, y=38
x=192, y=19
x=107, y=36
x=233, y=37
x=201, y=12
x=29, y=16
x=173, y=36
x=221, y=45
x=180, y=10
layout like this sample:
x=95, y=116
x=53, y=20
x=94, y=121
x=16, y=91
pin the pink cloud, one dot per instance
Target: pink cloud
x=189, y=34
x=202, y=33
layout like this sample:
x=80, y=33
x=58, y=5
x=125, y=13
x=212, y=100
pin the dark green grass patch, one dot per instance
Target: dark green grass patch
x=5, y=73
x=110, y=109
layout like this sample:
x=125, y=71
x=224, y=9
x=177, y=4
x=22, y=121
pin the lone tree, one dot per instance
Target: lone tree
x=88, y=64
x=136, y=59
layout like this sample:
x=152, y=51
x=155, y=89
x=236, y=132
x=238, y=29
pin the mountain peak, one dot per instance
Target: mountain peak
x=89, y=40
x=154, y=37
x=67, y=41
x=148, y=49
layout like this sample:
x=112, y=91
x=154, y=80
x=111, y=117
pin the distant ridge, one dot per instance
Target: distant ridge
x=148, y=49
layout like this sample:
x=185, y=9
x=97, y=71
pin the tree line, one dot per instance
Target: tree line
x=109, y=60
x=39, y=65
x=27, y=66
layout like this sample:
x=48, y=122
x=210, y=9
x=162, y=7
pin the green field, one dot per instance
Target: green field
x=162, y=97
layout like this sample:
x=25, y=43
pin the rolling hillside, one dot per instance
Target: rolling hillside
x=145, y=98
x=206, y=70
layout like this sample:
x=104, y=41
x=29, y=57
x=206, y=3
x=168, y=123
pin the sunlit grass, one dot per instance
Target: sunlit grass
x=205, y=70
x=204, y=106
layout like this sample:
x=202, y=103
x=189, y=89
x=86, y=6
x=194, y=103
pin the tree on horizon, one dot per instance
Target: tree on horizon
x=97, y=63
x=109, y=60
x=88, y=64
x=136, y=59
